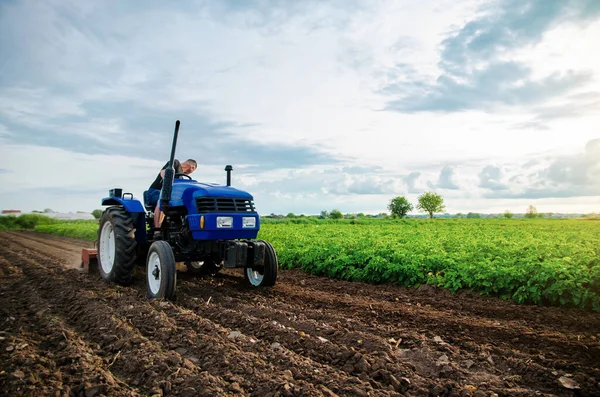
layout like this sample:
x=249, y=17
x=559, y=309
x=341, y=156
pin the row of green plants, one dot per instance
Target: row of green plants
x=550, y=262
x=85, y=230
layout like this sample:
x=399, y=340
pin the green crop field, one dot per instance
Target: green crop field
x=86, y=230
x=551, y=262
x=554, y=262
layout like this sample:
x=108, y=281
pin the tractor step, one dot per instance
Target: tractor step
x=88, y=256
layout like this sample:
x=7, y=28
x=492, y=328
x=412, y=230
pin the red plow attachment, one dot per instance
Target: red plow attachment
x=89, y=256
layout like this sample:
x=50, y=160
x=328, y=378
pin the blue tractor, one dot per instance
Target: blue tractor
x=206, y=226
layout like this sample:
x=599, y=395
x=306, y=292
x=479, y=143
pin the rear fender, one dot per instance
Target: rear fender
x=136, y=209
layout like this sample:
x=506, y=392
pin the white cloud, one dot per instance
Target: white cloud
x=28, y=105
x=4, y=131
x=39, y=177
x=491, y=177
x=445, y=180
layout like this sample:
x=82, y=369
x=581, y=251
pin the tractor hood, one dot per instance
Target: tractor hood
x=185, y=190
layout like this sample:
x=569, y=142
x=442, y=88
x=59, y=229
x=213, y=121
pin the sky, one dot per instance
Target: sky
x=318, y=105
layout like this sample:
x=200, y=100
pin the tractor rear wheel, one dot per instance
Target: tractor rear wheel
x=161, y=271
x=116, y=245
x=263, y=276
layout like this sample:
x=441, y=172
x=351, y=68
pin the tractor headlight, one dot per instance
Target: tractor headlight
x=249, y=221
x=224, y=221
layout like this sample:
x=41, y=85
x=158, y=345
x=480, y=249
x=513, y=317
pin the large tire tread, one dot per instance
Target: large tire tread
x=270, y=275
x=125, y=244
x=270, y=269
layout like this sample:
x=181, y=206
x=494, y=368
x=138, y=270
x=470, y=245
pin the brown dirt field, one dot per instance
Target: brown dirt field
x=65, y=333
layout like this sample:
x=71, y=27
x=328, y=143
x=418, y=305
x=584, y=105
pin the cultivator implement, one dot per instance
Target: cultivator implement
x=89, y=257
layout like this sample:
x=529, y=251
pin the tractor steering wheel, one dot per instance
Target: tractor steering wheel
x=182, y=174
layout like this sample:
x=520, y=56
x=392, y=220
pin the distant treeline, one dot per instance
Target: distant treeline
x=333, y=215
x=25, y=221
x=30, y=221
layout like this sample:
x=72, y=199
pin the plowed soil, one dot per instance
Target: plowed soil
x=66, y=333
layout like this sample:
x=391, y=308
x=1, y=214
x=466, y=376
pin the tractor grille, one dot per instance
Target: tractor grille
x=224, y=204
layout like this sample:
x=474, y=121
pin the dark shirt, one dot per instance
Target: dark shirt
x=157, y=184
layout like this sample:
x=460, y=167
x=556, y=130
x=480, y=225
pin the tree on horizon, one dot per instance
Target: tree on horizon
x=431, y=203
x=400, y=206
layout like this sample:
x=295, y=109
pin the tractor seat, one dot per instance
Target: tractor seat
x=149, y=208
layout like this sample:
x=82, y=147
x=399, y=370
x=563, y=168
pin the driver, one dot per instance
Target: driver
x=152, y=195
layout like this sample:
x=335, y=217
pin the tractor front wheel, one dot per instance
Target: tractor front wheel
x=161, y=271
x=116, y=245
x=263, y=276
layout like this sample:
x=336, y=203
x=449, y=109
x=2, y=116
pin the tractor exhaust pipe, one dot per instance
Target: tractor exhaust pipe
x=165, y=192
x=228, y=168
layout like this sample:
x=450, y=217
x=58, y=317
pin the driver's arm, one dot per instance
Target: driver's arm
x=176, y=167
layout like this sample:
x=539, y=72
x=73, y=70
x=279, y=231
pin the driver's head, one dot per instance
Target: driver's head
x=189, y=166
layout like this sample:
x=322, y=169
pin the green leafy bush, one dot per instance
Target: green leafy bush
x=25, y=221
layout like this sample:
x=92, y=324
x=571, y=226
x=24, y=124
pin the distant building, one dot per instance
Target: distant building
x=6, y=212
